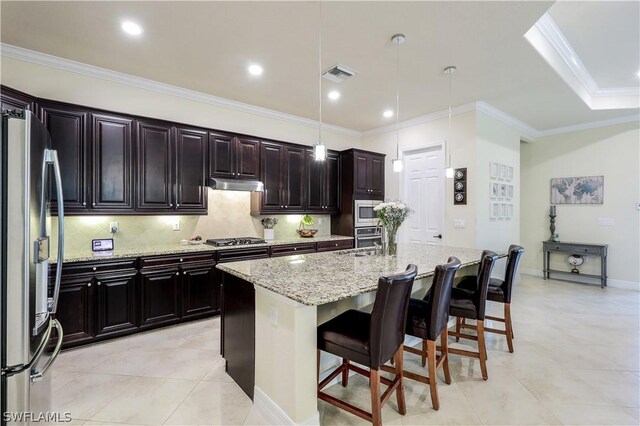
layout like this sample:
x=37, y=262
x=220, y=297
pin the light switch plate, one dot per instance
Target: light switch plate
x=176, y=225
x=114, y=227
x=606, y=221
x=459, y=223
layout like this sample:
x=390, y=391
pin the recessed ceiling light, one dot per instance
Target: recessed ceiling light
x=255, y=69
x=131, y=28
x=334, y=95
x=388, y=113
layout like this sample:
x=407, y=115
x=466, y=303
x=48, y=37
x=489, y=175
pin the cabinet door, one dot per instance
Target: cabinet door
x=159, y=294
x=76, y=309
x=191, y=154
x=271, y=173
x=68, y=128
x=294, y=182
x=247, y=158
x=155, y=166
x=361, y=173
x=200, y=291
x=376, y=175
x=332, y=183
x=112, y=146
x=116, y=303
x=315, y=184
x=12, y=99
x=221, y=155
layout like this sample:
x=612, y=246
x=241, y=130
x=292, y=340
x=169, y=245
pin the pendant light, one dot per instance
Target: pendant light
x=319, y=149
x=397, y=39
x=449, y=170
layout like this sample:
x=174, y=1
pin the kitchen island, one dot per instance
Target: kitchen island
x=271, y=308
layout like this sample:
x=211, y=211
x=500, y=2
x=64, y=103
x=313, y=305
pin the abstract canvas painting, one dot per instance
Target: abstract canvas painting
x=577, y=190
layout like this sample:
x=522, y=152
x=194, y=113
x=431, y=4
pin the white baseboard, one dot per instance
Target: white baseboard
x=627, y=285
x=276, y=415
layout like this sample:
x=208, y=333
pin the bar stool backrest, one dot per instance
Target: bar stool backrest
x=389, y=315
x=487, y=262
x=515, y=253
x=439, y=297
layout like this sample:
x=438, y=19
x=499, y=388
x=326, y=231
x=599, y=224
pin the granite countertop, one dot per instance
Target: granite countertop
x=321, y=278
x=87, y=255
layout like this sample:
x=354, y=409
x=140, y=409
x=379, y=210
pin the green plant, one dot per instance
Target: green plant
x=306, y=221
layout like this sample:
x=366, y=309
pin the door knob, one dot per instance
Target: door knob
x=438, y=236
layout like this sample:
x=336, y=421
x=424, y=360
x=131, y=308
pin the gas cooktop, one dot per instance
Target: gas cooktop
x=222, y=242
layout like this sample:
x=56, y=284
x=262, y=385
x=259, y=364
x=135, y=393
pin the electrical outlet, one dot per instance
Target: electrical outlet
x=176, y=225
x=114, y=227
x=605, y=221
x=459, y=223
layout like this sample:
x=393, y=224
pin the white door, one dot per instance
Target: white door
x=423, y=191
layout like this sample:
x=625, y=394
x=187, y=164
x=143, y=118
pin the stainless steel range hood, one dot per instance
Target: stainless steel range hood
x=236, y=185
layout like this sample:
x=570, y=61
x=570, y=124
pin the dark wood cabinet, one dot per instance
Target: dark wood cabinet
x=11, y=99
x=76, y=306
x=159, y=296
x=69, y=130
x=367, y=171
x=271, y=175
x=112, y=148
x=323, y=183
x=233, y=157
x=191, y=158
x=200, y=291
x=155, y=166
x=293, y=183
x=116, y=303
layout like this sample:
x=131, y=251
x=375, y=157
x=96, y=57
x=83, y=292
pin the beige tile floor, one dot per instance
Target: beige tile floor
x=576, y=361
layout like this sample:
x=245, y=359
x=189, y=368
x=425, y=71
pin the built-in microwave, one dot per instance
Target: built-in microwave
x=363, y=212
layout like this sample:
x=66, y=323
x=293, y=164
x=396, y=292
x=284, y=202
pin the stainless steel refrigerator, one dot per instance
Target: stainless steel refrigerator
x=29, y=344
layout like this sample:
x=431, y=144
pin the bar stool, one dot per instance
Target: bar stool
x=370, y=340
x=499, y=291
x=471, y=305
x=427, y=319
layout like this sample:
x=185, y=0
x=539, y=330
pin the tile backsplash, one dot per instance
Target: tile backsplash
x=229, y=216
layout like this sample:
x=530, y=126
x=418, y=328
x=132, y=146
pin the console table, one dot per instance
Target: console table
x=575, y=249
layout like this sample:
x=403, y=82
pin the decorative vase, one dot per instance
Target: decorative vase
x=392, y=243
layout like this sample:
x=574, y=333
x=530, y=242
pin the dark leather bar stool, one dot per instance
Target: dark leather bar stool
x=471, y=305
x=427, y=319
x=370, y=340
x=499, y=291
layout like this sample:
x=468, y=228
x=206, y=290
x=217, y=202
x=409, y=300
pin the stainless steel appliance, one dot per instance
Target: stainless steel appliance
x=27, y=313
x=363, y=213
x=236, y=185
x=242, y=241
x=368, y=236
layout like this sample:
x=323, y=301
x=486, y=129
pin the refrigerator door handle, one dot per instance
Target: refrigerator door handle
x=37, y=374
x=52, y=158
x=16, y=369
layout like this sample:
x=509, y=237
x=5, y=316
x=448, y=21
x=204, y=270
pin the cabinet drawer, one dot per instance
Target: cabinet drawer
x=289, y=249
x=231, y=255
x=586, y=250
x=180, y=259
x=335, y=245
x=96, y=266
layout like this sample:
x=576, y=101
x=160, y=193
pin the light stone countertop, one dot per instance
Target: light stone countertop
x=87, y=255
x=319, y=278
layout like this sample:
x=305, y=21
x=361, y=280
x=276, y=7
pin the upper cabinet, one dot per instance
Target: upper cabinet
x=191, y=158
x=323, y=183
x=367, y=170
x=12, y=99
x=155, y=166
x=69, y=130
x=233, y=157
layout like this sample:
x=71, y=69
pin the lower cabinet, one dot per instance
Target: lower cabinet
x=76, y=309
x=116, y=303
x=159, y=296
x=200, y=291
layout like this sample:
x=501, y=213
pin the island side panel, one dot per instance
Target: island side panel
x=238, y=331
x=286, y=357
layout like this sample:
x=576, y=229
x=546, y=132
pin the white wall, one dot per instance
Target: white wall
x=613, y=152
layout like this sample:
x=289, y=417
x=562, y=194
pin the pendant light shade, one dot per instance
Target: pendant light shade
x=397, y=39
x=449, y=172
x=319, y=149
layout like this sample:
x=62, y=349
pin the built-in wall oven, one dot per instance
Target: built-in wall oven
x=364, y=215
x=368, y=236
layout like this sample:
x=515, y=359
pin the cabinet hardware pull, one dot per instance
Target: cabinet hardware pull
x=88, y=284
x=93, y=204
x=170, y=204
x=181, y=260
x=184, y=273
x=177, y=205
x=84, y=203
x=177, y=273
x=99, y=283
x=295, y=248
x=94, y=268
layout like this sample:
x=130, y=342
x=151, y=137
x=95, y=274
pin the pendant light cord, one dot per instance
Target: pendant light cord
x=450, y=72
x=397, y=41
x=320, y=76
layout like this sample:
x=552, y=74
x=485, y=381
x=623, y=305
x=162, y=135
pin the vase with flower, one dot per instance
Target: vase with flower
x=392, y=214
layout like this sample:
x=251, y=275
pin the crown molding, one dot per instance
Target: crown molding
x=527, y=131
x=19, y=53
x=553, y=46
x=589, y=125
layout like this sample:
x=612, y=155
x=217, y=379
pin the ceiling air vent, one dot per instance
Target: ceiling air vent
x=338, y=73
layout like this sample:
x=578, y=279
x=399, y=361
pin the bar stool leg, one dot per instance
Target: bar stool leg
x=376, y=412
x=345, y=372
x=424, y=352
x=508, y=326
x=444, y=343
x=318, y=367
x=482, y=349
x=402, y=407
x=433, y=382
x=458, y=324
